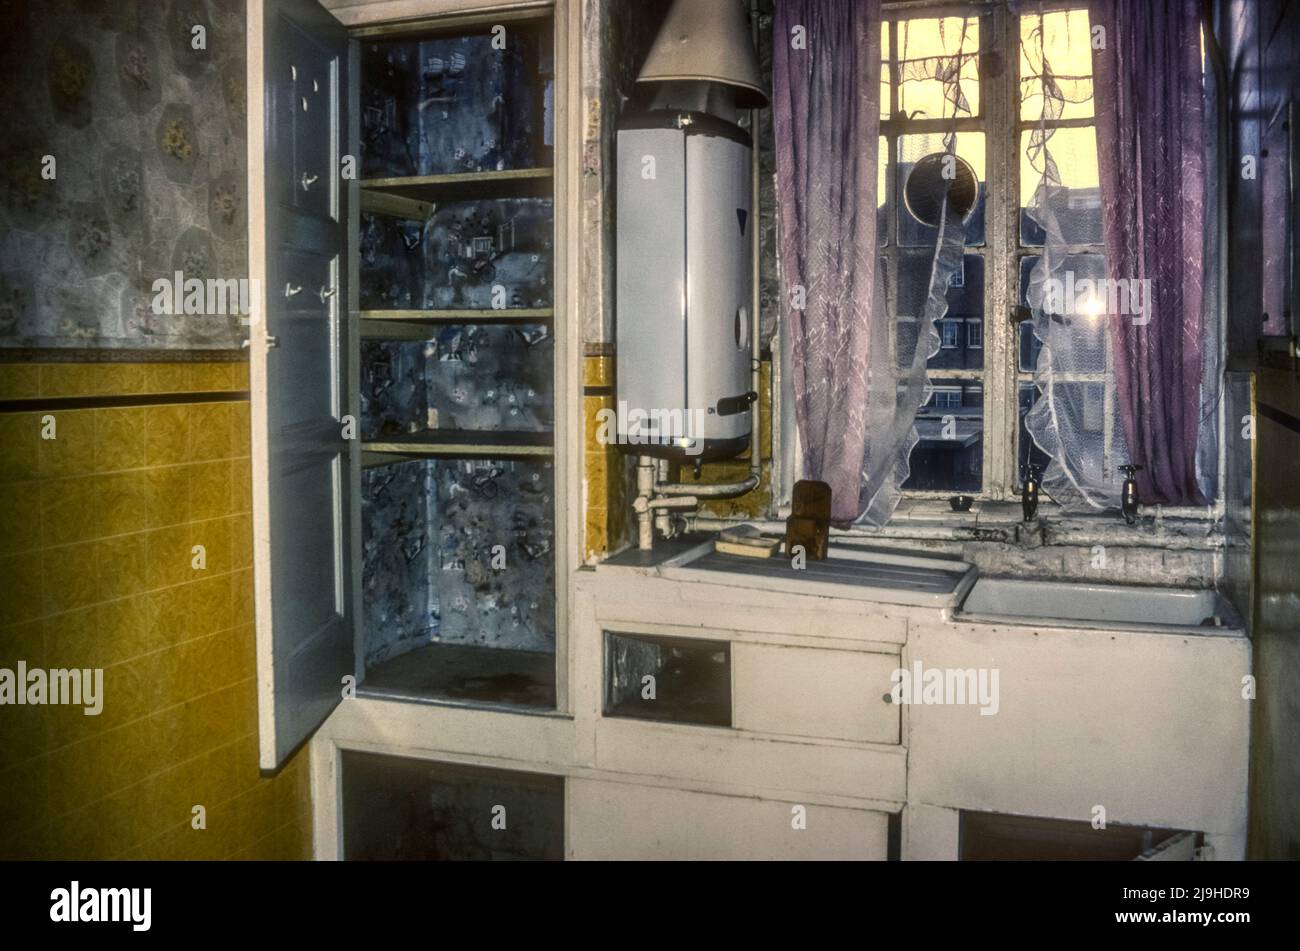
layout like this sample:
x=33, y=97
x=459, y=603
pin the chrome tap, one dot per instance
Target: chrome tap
x=1128, y=496
x=1029, y=492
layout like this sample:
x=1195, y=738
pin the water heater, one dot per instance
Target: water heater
x=684, y=285
x=684, y=249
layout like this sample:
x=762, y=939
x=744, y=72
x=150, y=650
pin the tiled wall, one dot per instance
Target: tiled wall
x=97, y=570
x=609, y=473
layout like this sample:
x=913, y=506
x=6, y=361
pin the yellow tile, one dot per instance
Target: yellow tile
x=123, y=565
x=70, y=577
x=215, y=536
x=241, y=541
x=239, y=377
x=23, y=791
x=595, y=472
x=241, y=485
x=20, y=517
x=69, y=510
x=19, y=381
x=593, y=423
x=129, y=625
x=20, y=438
x=123, y=378
x=242, y=602
x=67, y=379
x=167, y=495
x=211, y=428
x=165, y=377
x=211, y=605
x=23, y=582
x=167, y=435
x=25, y=641
x=211, y=377
x=169, y=615
x=120, y=438
x=596, y=539
x=211, y=489
x=72, y=639
x=168, y=554
x=598, y=371
x=124, y=500
x=70, y=450
x=240, y=433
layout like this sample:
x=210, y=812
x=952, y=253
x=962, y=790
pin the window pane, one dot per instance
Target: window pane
x=1079, y=300
x=885, y=72
x=949, y=454
x=1076, y=201
x=1066, y=46
x=884, y=198
x=1026, y=451
x=913, y=148
x=933, y=48
x=1085, y=409
x=965, y=311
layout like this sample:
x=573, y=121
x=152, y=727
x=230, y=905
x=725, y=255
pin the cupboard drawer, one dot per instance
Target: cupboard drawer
x=801, y=691
x=626, y=821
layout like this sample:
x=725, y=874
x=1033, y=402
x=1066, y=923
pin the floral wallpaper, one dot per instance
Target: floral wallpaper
x=122, y=162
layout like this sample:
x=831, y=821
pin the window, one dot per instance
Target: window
x=992, y=110
x=948, y=398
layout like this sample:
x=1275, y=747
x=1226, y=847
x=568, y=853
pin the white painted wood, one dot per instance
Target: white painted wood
x=359, y=13
x=631, y=594
x=299, y=367
x=746, y=762
x=818, y=693
x=1150, y=726
x=621, y=821
x=930, y=833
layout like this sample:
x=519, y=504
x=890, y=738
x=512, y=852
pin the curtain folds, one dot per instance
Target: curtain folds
x=826, y=114
x=1151, y=156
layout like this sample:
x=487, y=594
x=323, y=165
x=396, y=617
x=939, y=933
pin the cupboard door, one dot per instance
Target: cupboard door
x=299, y=366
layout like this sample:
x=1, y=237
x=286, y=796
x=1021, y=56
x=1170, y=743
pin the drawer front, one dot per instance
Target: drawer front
x=626, y=821
x=799, y=691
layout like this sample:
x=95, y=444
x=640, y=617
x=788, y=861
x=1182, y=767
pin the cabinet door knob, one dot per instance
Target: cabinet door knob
x=272, y=342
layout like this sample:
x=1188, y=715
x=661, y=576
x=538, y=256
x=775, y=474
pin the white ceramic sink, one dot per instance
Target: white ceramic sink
x=1099, y=606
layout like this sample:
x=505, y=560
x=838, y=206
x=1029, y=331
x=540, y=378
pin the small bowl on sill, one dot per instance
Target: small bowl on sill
x=961, y=503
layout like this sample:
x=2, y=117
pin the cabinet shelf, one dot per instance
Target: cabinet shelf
x=461, y=444
x=410, y=324
x=416, y=196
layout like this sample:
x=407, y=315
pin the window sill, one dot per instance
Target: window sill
x=993, y=522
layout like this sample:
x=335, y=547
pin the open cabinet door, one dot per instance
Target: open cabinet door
x=299, y=366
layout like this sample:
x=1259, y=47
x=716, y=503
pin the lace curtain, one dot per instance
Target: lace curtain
x=858, y=365
x=1127, y=362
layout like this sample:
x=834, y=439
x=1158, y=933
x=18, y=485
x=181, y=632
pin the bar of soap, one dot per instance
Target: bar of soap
x=746, y=540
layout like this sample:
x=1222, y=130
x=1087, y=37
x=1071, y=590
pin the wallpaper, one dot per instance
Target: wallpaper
x=123, y=163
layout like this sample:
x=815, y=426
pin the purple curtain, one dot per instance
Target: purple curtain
x=826, y=113
x=1150, y=118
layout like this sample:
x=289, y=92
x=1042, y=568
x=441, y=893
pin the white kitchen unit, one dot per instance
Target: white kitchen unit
x=414, y=372
x=660, y=705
